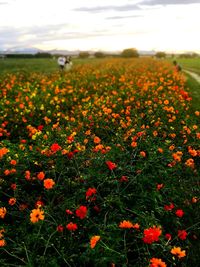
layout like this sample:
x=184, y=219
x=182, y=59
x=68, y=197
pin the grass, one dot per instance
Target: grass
x=28, y=65
x=195, y=91
x=39, y=65
x=192, y=64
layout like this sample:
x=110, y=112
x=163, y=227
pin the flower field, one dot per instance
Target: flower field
x=99, y=166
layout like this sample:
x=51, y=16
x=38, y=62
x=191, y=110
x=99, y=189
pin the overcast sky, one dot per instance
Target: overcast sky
x=161, y=25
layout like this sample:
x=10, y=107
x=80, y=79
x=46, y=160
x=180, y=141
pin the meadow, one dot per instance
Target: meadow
x=99, y=165
x=192, y=64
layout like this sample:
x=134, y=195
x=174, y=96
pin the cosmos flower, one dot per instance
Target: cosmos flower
x=48, y=183
x=36, y=215
x=94, y=240
x=157, y=263
x=81, y=212
x=178, y=252
x=72, y=226
x=151, y=235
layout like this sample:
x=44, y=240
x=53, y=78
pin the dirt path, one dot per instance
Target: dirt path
x=194, y=75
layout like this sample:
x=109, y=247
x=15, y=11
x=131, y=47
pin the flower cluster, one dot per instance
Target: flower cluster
x=99, y=166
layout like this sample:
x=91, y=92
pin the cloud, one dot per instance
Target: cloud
x=123, y=17
x=169, y=2
x=97, y=9
x=30, y=36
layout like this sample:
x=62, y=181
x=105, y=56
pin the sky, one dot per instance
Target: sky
x=103, y=25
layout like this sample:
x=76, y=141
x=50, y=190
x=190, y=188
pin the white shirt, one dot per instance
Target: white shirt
x=61, y=61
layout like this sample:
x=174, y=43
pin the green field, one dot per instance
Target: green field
x=39, y=65
x=28, y=65
x=192, y=64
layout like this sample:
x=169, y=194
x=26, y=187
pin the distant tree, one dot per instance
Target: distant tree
x=99, y=54
x=160, y=54
x=42, y=55
x=130, y=52
x=20, y=56
x=189, y=55
x=84, y=55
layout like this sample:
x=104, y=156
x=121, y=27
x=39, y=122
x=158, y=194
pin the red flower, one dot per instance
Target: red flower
x=70, y=155
x=40, y=127
x=111, y=165
x=81, y=212
x=90, y=192
x=72, y=226
x=169, y=207
x=60, y=228
x=182, y=234
x=69, y=212
x=55, y=147
x=124, y=179
x=179, y=213
x=97, y=209
x=151, y=234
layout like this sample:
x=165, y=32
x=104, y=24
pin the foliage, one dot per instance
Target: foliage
x=99, y=167
x=160, y=54
x=130, y=52
x=99, y=54
x=84, y=54
x=189, y=55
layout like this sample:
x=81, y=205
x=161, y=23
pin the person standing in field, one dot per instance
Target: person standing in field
x=61, y=62
x=68, y=63
x=177, y=66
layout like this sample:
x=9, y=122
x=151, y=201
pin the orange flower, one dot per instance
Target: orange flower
x=178, y=252
x=192, y=152
x=134, y=144
x=2, y=242
x=13, y=162
x=3, y=151
x=36, y=215
x=27, y=175
x=41, y=176
x=142, y=154
x=190, y=163
x=157, y=263
x=12, y=201
x=3, y=212
x=48, y=183
x=136, y=226
x=97, y=140
x=177, y=156
x=125, y=225
x=172, y=147
x=160, y=150
x=94, y=240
